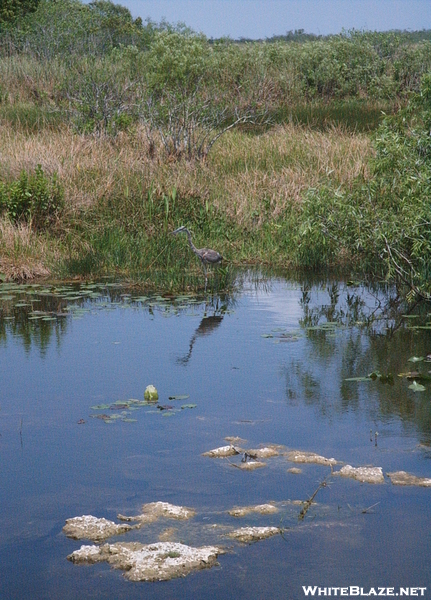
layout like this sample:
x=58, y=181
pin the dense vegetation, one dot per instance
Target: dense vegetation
x=114, y=131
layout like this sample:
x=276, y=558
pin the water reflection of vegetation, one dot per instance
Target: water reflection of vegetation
x=373, y=330
x=36, y=313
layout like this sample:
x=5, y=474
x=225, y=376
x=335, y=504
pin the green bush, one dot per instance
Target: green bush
x=382, y=225
x=98, y=96
x=33, y=198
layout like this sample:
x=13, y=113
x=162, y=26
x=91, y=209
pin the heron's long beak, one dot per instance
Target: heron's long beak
x=177, y=231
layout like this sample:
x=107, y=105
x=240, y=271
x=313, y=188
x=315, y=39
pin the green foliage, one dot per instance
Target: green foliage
x=30, y=117
x=68, y=28
x=12, y=10
x=129, y=232
x=384, y=226
x=176, y=61
x=33, y=198
x=98, y=96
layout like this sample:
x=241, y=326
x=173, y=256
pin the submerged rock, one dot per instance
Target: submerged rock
x=167, y=535
x=251, y=465
x=262, y=509
x=171, y=511
x=253, y=534
x=235, y=440
x=294, y=470
x=266, y=452
x=222, y=452
x=152, y=562
x=310, y=457
x=155, y=510
x=92, y=528
x=364, y=474
x=404, y=478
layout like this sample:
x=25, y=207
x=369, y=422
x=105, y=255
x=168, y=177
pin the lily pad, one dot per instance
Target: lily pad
x=417, y=387
x=137, y=403
x=327, y=327
x=415, y=359
x=179, y=397
x=358, y=379
x=100, y=407
x=189, y=406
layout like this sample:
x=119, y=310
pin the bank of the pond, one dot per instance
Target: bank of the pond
x=118, y=204
x=290, y=196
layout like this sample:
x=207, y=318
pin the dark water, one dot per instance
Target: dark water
x=100, y=345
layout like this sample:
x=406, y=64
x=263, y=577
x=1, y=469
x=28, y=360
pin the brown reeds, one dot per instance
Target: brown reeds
x=246, y=174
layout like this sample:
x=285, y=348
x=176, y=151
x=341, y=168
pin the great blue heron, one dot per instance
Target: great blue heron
x=207, y=256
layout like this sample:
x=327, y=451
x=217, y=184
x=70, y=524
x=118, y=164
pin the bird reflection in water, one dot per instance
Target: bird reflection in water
x=206, y=327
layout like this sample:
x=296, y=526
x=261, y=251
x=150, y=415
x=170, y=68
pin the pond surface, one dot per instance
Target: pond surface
x=267, y=363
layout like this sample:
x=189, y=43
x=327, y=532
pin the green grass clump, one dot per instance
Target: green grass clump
x=30, y=117
x=353, y=115
x=33, y=198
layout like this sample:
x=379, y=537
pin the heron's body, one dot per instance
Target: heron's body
x=206, y=255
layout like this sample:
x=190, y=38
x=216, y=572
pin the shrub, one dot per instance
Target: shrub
x=34, y=198
x=384, y=225
x=99, y=96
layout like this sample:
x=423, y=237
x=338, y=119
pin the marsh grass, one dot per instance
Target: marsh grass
x=25, y=254
x=121, y=201
x=29, y=117
x=353, y=115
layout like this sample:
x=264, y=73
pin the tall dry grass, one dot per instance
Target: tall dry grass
x=24, y=254
x=270, y=172
x=246, y=176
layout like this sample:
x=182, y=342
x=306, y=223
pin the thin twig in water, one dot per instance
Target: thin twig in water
x=310, y=500
x=365, y=510
x=233, y=464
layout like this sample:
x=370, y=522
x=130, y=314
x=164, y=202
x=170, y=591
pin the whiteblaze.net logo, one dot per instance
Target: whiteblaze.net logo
x=355, y=591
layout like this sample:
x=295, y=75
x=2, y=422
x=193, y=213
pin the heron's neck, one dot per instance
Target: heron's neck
x=189, y=235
